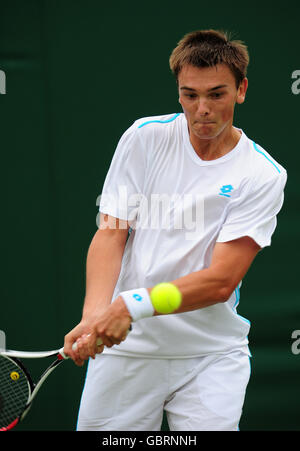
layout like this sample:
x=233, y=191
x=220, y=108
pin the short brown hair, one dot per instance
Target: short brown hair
x=207, y=48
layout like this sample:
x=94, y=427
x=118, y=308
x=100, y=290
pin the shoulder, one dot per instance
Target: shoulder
x=153, y=131
x=265, y=160
x=150, y=125
x=157, y=122
x=148, y=133
x=261, y=165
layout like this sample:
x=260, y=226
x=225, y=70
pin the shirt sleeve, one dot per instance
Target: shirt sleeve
x=123, y=186
x=254, y=213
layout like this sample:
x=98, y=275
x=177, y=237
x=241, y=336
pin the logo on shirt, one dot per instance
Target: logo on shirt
x=225, y=190
x=137, y=297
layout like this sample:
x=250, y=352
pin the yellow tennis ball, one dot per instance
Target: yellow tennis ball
x=165, y=297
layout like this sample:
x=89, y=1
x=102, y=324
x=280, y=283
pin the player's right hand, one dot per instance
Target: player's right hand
x=85, y=343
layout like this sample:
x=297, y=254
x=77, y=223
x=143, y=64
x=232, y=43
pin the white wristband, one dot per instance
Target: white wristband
x=138, y=303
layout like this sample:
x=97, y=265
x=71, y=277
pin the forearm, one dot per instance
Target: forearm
x=201, y=289
x=230, y=263
x=102, y=270
x=194, y=291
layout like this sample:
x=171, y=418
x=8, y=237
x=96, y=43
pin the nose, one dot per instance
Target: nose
x=203, y=108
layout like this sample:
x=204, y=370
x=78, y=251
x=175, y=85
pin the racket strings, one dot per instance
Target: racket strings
x=14, y=391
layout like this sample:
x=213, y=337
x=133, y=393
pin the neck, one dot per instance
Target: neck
x=211, y=149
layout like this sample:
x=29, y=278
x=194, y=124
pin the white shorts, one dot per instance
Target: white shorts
x=198, y=394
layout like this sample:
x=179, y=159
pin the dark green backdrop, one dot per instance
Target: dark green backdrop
x=78, y=73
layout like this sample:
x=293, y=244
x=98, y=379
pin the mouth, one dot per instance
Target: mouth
x=204, y=123
x=197, y=121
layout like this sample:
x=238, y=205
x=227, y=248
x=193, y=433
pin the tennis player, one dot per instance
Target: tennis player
x=188, y=199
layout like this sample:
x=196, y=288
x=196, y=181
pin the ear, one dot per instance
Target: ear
x=241, y=93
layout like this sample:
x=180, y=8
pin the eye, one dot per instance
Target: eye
x=216, y=95
x=190, y=96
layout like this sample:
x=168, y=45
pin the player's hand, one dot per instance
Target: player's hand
x=113, y=324
x=87, y=346
x=85, y=341
x=110, y=325
x=79, y=331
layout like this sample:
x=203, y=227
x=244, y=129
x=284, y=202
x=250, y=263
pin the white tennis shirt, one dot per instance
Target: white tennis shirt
x=179, y=206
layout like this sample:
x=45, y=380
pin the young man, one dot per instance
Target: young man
x=200, y=200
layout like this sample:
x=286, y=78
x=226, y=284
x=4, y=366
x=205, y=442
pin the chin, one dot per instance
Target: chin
x=205, y=135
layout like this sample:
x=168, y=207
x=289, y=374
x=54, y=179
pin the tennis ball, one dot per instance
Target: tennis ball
x=165, y=297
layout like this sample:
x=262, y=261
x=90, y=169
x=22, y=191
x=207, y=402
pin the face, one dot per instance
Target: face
x=208, y=96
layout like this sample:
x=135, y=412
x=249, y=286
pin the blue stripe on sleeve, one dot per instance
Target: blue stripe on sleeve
x=259, y=151
x=160, y=122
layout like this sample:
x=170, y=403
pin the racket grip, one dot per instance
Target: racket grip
x=99, y=341
x=62, y=355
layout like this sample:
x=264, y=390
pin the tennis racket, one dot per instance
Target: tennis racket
x=17, y=389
